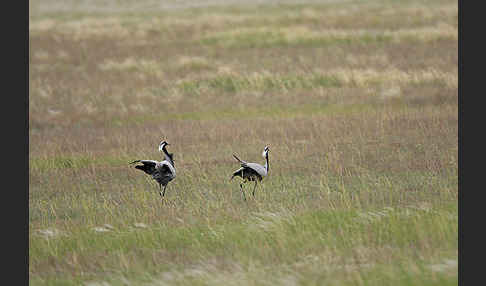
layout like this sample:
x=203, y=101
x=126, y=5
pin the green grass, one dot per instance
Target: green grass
x=225, y=84
x=387, y=244
x=273, y=38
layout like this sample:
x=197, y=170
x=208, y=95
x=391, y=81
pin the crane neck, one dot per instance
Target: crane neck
x=168, y=156
x=267, y=165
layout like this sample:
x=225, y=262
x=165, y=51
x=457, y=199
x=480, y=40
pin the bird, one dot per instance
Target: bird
x=163, y=172
x=252, y=171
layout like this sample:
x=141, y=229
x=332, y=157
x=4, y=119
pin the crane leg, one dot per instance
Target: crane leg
x=241, y=187
x=253, y=193
x=163, y=193
x=160, y=190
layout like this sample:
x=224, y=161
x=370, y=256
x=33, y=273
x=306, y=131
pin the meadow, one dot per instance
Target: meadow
x=358, y=101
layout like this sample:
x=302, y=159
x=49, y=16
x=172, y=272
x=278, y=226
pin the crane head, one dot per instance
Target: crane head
x=163, y=144
x=265, y=151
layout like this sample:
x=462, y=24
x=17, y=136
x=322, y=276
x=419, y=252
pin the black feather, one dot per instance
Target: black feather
x=149, y=169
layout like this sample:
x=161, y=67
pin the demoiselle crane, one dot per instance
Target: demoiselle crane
x=163, y=172
x=252, y=171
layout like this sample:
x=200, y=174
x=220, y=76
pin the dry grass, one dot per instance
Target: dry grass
x=358, y=102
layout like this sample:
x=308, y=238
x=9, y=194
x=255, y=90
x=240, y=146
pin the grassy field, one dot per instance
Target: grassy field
x=356, y=99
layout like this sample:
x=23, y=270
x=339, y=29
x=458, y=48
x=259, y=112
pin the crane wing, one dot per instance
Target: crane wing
x=254, y=166
x=166, y=168
x=148, y=165
x=257, y=168
x=237, y=173
x=242, y=163
x=145, y=162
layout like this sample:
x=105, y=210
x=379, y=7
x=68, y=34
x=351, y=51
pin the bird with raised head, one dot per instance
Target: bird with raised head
x=163, y=172
x=252, y=171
